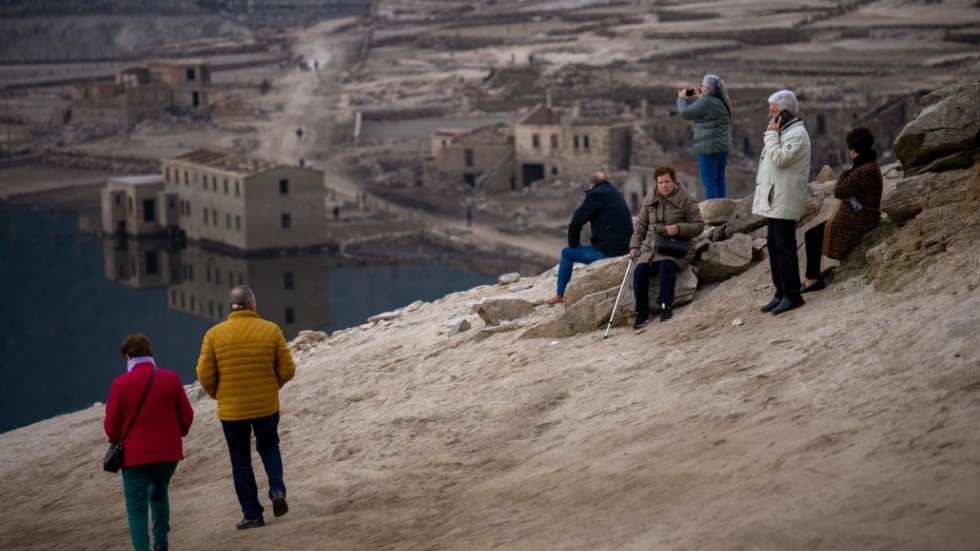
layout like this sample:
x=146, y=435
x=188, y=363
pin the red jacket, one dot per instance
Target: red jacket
x=165, y=418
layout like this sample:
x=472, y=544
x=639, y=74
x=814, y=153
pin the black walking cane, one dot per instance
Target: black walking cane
x=619, y=294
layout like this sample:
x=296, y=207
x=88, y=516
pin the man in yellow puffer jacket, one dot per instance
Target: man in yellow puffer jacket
x=244, y=362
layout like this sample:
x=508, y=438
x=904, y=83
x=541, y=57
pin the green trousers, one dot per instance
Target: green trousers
x=145, y=488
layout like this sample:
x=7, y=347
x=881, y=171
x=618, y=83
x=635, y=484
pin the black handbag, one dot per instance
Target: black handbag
x=669, y=246
x=113, y=459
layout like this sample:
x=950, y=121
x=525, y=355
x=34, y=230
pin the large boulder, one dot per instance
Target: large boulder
x=494, y=311
x=945, y=135
x=742, y=220
x=595, y=277
x=716, y=212
x=905, y=198
x=590, y=312
x=725, y=259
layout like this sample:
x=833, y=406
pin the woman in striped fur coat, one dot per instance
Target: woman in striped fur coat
x=859, y=191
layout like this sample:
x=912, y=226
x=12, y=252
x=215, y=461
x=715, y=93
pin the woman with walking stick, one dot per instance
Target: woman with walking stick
x=670, y=212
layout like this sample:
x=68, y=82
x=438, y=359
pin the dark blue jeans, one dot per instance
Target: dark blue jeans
x=238, y=435
x=712, y=168
x=783, y=262
x=584, y=254
x=641, y=284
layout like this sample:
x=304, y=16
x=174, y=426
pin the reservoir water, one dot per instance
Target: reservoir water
x=67, y=300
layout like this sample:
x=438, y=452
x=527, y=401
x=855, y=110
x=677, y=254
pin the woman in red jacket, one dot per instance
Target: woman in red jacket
x=153, y=445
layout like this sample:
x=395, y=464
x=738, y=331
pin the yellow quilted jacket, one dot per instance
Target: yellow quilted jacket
x=244, y=362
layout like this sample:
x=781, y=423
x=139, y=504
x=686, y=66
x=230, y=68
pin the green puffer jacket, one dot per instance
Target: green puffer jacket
x=244, y=362
x=712, y=123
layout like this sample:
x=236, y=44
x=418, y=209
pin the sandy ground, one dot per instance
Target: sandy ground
x=847, y=424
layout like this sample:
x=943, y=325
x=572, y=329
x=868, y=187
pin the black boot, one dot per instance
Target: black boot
x=666, y=312
x=642, y=318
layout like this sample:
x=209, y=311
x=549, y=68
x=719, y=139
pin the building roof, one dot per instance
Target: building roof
x=594, y=113
x=191, y=62
x=140, y=180
x=449, y=131
x=227, y=162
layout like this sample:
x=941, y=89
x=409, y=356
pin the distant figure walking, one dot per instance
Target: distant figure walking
x=299, y=133
x=611, y=223
x=244, y=362
x=712, y=116
x=469, y=216
x=153, y=445
x=316, y=65
x=336, y=212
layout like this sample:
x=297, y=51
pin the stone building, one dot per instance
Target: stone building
x=551, y=143
x=178, y=87
x=545, y=144
x=138, y=206
x=483, y=157
x=247, y=204
x=189, y=81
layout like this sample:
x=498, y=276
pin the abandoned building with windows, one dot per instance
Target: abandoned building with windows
x=144, y=93
x=212, y=220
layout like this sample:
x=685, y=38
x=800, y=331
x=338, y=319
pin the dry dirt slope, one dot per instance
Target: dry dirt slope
x=850, y=423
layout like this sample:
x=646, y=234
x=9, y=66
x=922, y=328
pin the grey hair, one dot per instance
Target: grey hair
x=239, y=297
x=716, y=86
x=784, y=99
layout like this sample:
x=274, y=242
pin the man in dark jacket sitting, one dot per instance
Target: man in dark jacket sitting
x=611, y=224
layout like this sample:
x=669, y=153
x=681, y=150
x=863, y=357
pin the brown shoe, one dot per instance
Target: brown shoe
x=555, y=300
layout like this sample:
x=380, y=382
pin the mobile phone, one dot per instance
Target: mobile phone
x=689, y=92
x=783, y=118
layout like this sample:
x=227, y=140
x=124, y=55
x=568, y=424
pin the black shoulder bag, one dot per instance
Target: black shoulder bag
x=675, y=247
x=114, y=456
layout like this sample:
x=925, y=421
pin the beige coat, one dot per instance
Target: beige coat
x=656, y=214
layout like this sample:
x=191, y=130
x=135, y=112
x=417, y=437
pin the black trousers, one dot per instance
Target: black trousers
x=813, y=241
x=783, y=262
x=641, y=284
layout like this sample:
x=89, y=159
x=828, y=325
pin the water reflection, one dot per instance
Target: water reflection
x=69, y=298
x=293, y=290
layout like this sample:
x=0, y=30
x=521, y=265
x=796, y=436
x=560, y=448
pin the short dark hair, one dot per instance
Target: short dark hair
x=136, y=345
x=664, y=169
x=860, y=139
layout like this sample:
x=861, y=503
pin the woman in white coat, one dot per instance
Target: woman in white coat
x=780, y=192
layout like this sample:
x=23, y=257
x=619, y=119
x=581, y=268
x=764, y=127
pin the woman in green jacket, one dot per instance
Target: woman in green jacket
x=712, y=134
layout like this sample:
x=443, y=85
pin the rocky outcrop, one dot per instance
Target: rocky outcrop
x=596, y=277
x=716, y=212
x=905, y=198
x=726, y=259
x=742, y=220
x=495, y=311
x=945, y=135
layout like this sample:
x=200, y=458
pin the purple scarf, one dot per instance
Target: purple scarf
x=139, y=360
